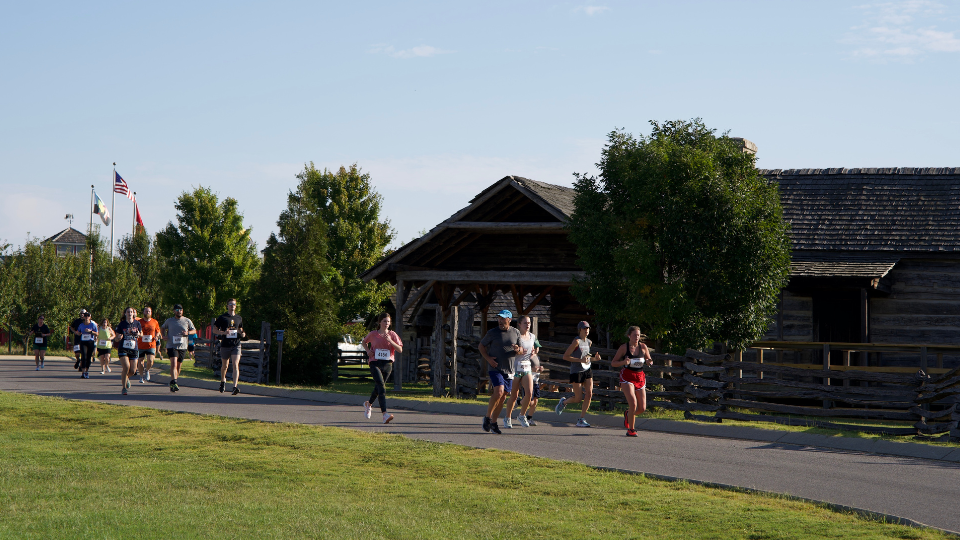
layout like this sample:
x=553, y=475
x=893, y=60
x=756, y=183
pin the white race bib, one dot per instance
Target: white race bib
x=146, y=339
x=231, y=334
x=524, y=365
x=76, y=348
x=585, y=353
x=103, y=344
x=86, y=337
x=382, y=354
x=129, y=343
x=38, y=340
x=177, y=340
x=638, y=362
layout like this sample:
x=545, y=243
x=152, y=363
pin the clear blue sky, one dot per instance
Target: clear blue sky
x=437, y=100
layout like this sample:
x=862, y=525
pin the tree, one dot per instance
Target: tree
x=114, y=284
x=681, y=236
x=140, y=252
x=348, y=206
x=294, y=291
x=208, y=255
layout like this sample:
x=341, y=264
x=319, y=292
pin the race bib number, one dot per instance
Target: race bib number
x=638, y=362
x=104, y=344
x=382, y=354
x=524, y=365
x=76, y=348
x=129, y=343
x=231, y=334
x=38, y=340
x=86, y=337
x=177, y=340
x=146, y=339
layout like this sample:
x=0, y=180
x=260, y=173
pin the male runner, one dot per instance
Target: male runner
x=40, y=333
x=147, y=342
x=75, y=332
x=500, y=349
x=229, y=327
x=177, y=328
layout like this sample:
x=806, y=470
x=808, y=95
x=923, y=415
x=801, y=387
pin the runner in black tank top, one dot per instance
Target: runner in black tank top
x=633, y=356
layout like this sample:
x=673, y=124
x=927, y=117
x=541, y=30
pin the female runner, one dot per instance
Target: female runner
x=523, y=374
x=381, y=344
x=633, y=356
x=104, y=344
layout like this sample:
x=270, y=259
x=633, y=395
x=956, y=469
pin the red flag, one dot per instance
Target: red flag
x=139, y=219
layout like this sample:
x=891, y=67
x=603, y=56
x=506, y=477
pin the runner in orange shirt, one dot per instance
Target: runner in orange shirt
x=147, y=343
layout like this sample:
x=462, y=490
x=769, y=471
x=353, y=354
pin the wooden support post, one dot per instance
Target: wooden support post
x=739, y=358
x=940, y=360
x=535, y=328
x=826, y=367
x=437, y=354
x=264, y=335
x=454, y=332
x=760, y=361
x=399, y=323
x=846, y=362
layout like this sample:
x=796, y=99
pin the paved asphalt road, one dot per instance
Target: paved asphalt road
x=926, y=491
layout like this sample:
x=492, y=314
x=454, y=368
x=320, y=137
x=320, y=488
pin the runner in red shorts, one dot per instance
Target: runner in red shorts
x=633, y=357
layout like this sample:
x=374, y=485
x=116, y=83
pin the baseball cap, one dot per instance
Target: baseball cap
x=177, y=306
x=505, y=314
x=583, y=324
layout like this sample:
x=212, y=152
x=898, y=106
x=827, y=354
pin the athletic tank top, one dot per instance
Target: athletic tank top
x=103, y=339
x=584, y=347
x=637, y=360
x=524, y=361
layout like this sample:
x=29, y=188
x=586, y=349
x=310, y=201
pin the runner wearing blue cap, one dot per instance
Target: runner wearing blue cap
x=499, y=348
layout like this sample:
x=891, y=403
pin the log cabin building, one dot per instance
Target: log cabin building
x=876, y=259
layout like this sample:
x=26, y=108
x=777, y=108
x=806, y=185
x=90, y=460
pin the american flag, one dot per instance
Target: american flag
x=120, y=186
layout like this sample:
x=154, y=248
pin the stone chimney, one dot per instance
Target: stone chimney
x=748, y=146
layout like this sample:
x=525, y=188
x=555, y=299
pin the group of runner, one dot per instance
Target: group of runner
x=138, y=339
x=513, y=366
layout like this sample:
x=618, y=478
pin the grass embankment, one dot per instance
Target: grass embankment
x=88, y=470
x=424, y=392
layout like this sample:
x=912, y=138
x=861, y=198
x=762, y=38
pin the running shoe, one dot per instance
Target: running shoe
x=486, y=423
x=367, y=410
x=76, y=365
x=176, y=387
x=127, y=384
x=523, y=421
x=531, y=421
x=171, y=386
x=631, y=433
x=41, y=365
x=582, y=423
x=387, y=417
x=102, y=372
x=148, y=375
x=124, y=392
x=38, y=368
x=222, y=384
x=560, y=405
x=495, y=428
x=141, y=380
x=235, y=391
x=508, y=423
x=81, y=376
x=109, y=370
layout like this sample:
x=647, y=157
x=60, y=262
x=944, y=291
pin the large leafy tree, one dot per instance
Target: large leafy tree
x=139, y=251
x=294, y=291
x=349, y=208
x=681, y=236
x=208, y=255
x=114, y=284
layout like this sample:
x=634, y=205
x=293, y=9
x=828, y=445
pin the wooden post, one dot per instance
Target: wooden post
x=760, y=361
x=923, y=358
x=437, y=353
x=940, y=360
x=264, y=334
x=454, y=331
x=10, y=338
x=399, y=323
x=826, y=367
x=846, y=362
x=864, y=325
x=535, y=327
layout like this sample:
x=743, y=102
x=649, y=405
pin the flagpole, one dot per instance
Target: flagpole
x=90, y=233
x=134, y=230
x=113, y=206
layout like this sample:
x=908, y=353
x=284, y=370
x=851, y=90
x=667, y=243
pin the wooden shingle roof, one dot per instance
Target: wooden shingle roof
x=68, y=236
x=871, y=210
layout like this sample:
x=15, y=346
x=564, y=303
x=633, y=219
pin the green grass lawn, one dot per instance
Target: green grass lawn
x=87, y=470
